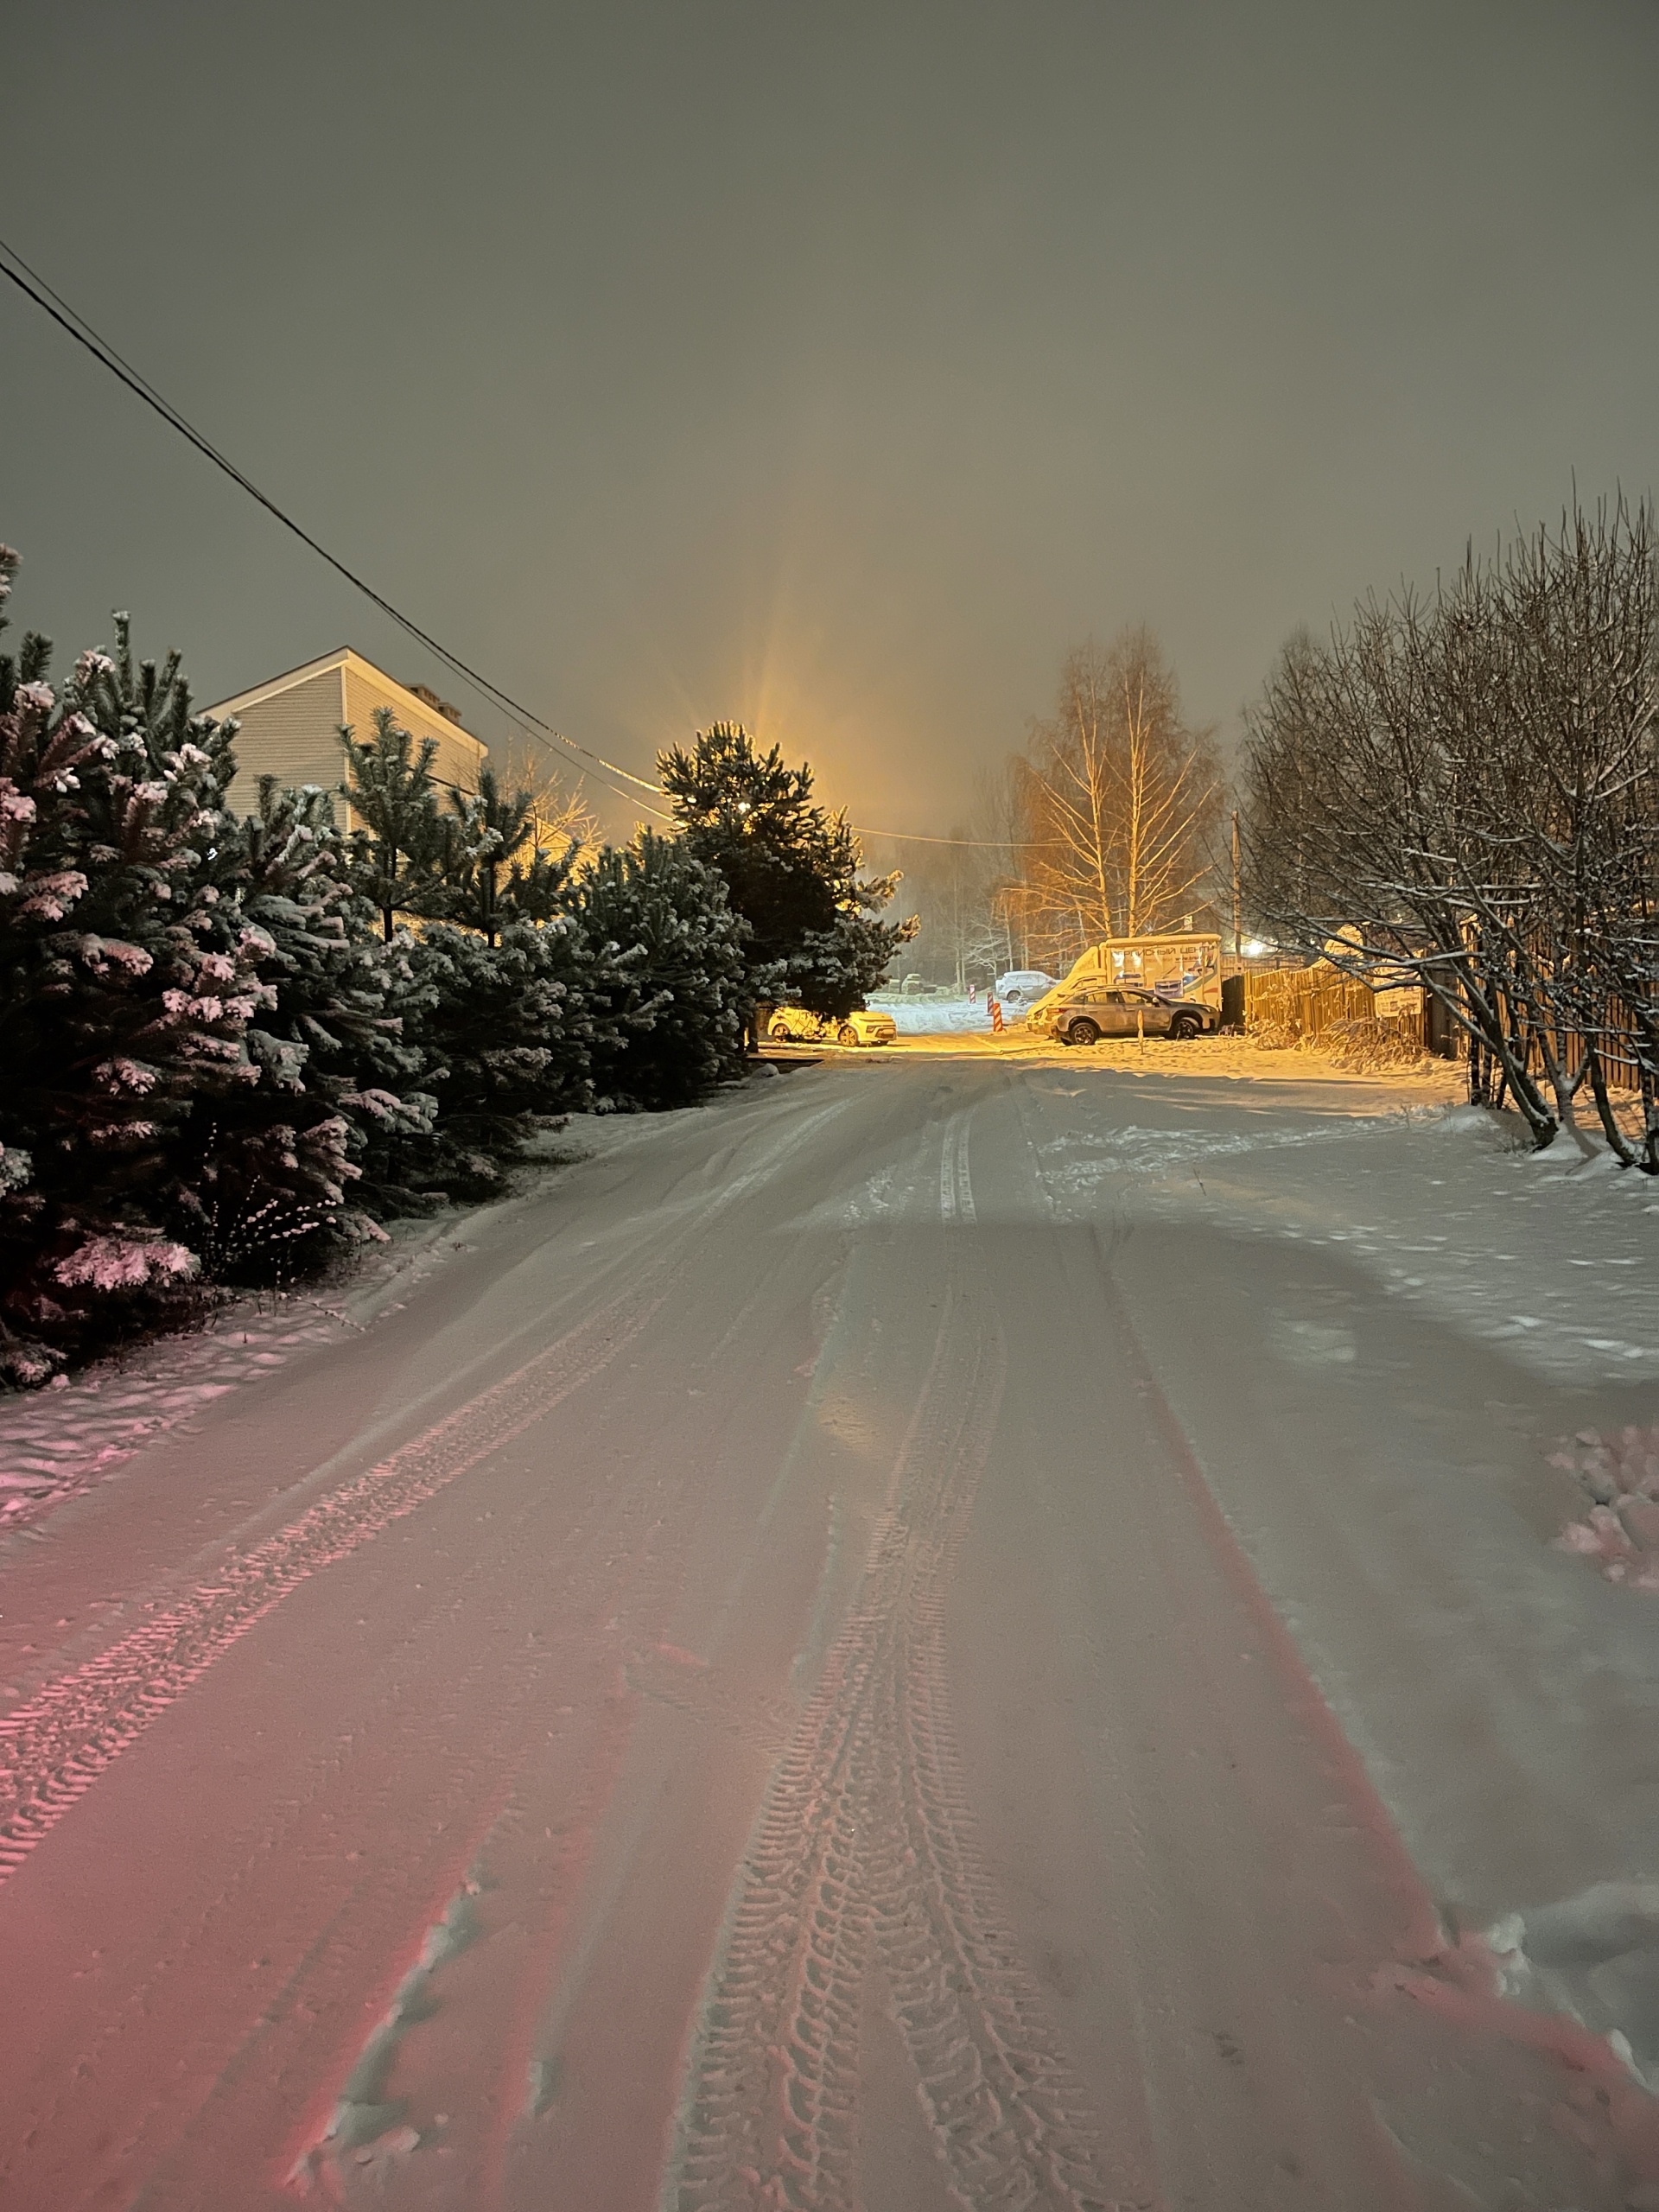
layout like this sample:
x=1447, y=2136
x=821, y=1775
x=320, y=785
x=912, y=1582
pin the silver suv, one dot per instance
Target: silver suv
x=1091, y=1011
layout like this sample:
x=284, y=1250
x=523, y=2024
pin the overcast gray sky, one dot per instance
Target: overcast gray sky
x=833, y=367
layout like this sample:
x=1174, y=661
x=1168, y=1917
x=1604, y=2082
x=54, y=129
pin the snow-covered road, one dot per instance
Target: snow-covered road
x=944, y=1632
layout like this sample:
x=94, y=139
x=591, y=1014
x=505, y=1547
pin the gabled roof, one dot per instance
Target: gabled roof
x=343, y=658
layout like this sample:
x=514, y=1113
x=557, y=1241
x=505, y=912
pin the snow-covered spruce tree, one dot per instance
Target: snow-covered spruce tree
x=670, y=983
x=429, y=1053
x=486, y=855
x=125, y=998
x=791, y=871
x=508, y=1032
x=836, y=968
x=397, y=856
x=339, y=1092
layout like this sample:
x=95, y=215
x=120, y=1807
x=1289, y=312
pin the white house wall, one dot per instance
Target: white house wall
x=294, y=735
x=459, y=755
x=291, y=731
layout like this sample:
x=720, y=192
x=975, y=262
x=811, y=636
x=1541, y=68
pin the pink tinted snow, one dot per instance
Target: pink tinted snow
x=49, y=896
x=1620, y=1532
x=123, y=1074
x=104, y=952
x=121, y=1691
x=125, y=1263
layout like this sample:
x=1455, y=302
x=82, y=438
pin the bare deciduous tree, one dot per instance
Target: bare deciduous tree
x=1465, y=787
x=1117, y=801
x=560, y=815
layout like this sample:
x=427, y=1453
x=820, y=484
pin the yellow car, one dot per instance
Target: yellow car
x=793, y=1025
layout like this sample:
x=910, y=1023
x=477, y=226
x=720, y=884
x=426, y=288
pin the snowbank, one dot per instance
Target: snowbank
x=58, y=1442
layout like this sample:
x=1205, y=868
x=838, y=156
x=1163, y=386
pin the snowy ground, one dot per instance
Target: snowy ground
x=972, y=1625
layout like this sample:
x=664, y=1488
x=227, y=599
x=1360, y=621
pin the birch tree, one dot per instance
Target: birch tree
x=1118, y=799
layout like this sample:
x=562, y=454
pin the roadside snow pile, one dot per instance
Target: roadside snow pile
x=1365, y=1044
x=1231, y=1059
x=56, y=1442
x=1131, y=1149
x=1620, y=1476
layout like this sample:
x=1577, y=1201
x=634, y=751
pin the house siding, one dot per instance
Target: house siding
x=458, y=758
x=290, y=729
x=293, y=735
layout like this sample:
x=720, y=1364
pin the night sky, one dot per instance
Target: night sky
x=836, y=367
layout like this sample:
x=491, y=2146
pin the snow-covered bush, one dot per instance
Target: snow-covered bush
x=669, y=978
x=1619, y=1475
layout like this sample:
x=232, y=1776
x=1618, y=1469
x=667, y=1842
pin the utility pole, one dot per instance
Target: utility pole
x=1238, y=943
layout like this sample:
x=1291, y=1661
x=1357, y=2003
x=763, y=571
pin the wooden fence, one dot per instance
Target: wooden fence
x=1302, y=1003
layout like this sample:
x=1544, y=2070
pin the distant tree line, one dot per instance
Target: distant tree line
x=1462, y=787
x=234, y=1043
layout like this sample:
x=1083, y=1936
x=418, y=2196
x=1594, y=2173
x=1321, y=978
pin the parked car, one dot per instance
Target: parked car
x=1020, y=988
x=793, y=1025
x=1091, y=1011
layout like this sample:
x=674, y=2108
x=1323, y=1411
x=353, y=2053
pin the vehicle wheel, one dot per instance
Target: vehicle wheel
x=779, y=1032
x=847, y=1034
x=1082, y=1032
x=1182, y=1029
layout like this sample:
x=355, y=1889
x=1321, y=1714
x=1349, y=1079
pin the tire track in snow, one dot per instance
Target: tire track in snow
x=955, y=1186
x=507, y=2075
x=1010, y=2117
x=866, y=1844
x=56, y=1744
x=617, y=1563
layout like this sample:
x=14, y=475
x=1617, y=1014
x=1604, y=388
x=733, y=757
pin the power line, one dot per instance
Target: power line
x=36, y=287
